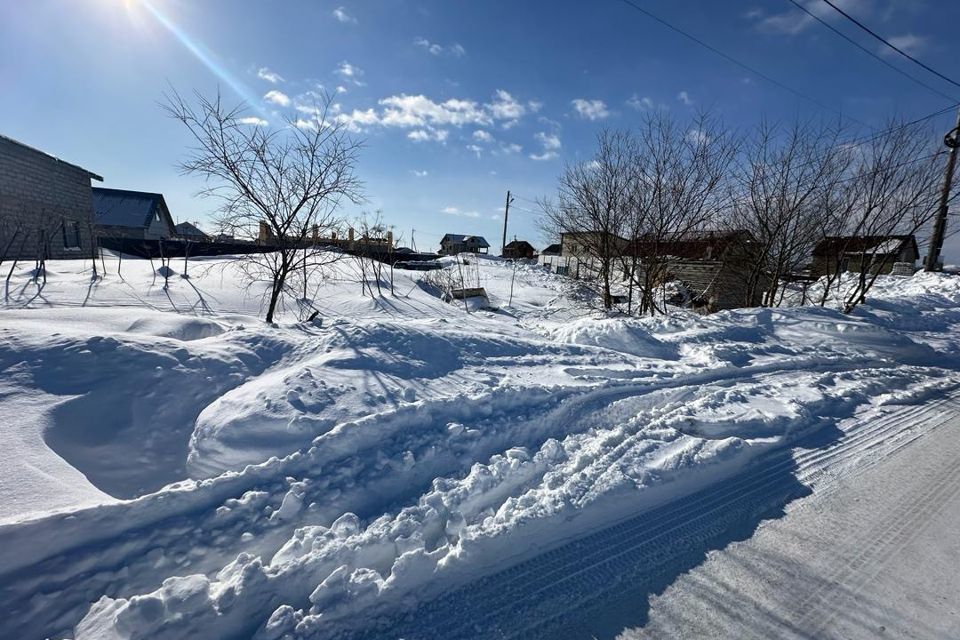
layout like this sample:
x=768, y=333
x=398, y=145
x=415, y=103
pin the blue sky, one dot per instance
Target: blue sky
x=457, y=101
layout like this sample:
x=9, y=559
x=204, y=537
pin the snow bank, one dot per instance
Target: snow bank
x=344, y=472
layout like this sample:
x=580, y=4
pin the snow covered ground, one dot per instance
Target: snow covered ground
x=172, y=467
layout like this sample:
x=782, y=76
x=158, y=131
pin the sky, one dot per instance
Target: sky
x=456, y=101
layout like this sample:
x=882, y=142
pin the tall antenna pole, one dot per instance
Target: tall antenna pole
x=506, y=215
x=952, y=141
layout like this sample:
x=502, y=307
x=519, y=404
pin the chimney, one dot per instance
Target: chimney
x=350, y=237
x=389, y=239
x=264, y=237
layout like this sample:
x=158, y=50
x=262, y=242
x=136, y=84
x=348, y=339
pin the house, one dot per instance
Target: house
x=187, y=231
x=713, y=266
x=576, y=255
x=875, y=254
x=46, y=208
x=453, y=243
x=551, y=250
x=519, y=250
x=132, y=214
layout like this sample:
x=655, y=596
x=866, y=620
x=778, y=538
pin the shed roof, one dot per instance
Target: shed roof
x=879, y=245
x=553, y=249
x=122, y=208
x=698, y=245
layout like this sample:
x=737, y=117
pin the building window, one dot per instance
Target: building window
x=563, y=271
x=71, y=234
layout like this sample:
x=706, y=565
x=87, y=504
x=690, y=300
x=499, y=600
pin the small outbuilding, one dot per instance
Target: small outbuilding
x=138, y=215
x=519, y=250
x=873, y=254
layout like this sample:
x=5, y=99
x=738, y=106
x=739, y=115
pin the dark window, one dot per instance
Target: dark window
x=71, y=235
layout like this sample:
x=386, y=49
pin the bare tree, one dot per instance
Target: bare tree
x=281, y=186
x=591, y=208
x=786, y=184
x=678, y=182
x=893, y=195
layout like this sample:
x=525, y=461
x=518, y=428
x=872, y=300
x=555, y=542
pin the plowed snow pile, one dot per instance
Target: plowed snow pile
x=174, y=468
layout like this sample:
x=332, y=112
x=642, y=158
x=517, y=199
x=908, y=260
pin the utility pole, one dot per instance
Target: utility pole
x=506, y=214
x=952, y=141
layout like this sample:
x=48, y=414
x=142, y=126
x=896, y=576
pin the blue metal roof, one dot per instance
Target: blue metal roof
x=121, y=208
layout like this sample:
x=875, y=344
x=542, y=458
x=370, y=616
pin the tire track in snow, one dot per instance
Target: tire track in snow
x=906, y=520
x=651, y=540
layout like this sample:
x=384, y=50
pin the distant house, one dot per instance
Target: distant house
x=46, y=209
x=576, y=255
x=874, y=254
x=187, y=231
x=132, y=214
x=453, y=243
x=519, y=250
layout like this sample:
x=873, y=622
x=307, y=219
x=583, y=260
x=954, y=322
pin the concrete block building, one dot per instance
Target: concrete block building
x=46, y=205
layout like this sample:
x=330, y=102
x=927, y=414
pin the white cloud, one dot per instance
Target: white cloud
x=424, y=135
x=270, y=76
x=428, y=119
x=476, y=149
x=356, y=120
x=419, y=174
x=302, y=123
x=419, y=110
x=350, y=72
x=697, y=136
x=590, y=109
x=685, y=98
x=454, y=211
x=907, y=42
x=340, y=13
x=278, y=98
x=456, y=49
x=550, y=142
x=794, y=21
x=506, y=107
x=340, y=89
x=509, y=148
x=253, y=121
x=640, y=104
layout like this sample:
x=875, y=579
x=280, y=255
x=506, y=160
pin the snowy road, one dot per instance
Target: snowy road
x=876, y=554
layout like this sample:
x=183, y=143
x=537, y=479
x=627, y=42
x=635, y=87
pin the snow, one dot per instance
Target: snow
x=173, y=467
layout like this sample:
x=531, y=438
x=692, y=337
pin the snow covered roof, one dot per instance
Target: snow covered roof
x=122, y=208
x=879, y=245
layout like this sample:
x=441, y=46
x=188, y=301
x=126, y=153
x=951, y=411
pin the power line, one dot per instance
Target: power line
x=894, y=47
x=869, y=52
x=740, y=64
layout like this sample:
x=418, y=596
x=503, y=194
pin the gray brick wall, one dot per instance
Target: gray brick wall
x=39, y=196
